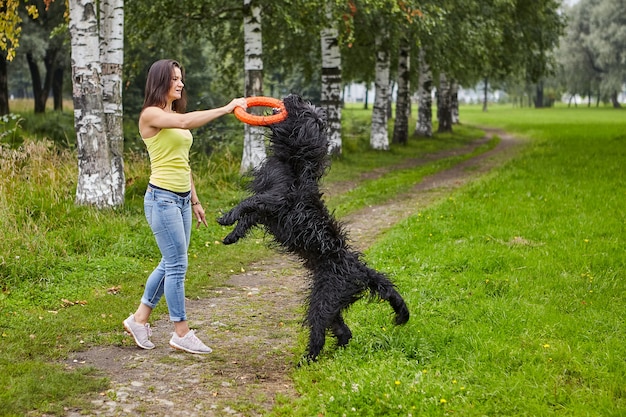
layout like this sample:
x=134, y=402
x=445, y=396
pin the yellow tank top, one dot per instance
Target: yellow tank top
x=169, y=159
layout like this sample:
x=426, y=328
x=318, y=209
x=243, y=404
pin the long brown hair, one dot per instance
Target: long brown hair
x=158, y=85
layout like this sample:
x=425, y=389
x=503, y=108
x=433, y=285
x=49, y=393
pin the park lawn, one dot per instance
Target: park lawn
x=515, y=283
x=516, y=312
x=69, y=275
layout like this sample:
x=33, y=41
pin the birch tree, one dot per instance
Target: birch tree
x=379, y=137
x=444, y=104
x=403, y=101
x=424, y=124
x=100, y=180
x=112, y=57
x=454, y=102
x=254, y=140
x=331, y=83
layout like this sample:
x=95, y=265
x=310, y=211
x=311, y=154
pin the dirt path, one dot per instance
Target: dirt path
x=253, y=322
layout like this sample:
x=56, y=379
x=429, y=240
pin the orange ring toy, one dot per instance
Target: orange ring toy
x=260, y=101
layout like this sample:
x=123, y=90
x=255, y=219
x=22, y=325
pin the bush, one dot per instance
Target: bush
x=11, y=129
x=55, y=126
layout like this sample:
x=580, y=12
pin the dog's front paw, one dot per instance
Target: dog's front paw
x=226, y=220
x=230, y=239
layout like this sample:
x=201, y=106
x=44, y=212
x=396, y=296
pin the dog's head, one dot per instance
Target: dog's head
x=302, y=137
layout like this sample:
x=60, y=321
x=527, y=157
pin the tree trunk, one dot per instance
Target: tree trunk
x=112, y=59
x=254, y=140
x=379, y=138
x=4, y=85
x=331, y=86
x=409, y=110
x=96, y=180
x=444, y=105
x=42, y=90
x=424, y=126
x=57, y=88
x=366, y=98
x=38, y=93
x=454, y=97
x=615, y=101
x=401, y=123
x=390, y=100
x=486, y=94
x=50, y=63
x=539, y=95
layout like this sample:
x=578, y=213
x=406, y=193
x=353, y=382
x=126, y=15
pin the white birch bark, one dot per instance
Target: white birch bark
x=379, y=138
x=403, y=102
x=444, y=105
x=96, y=183
x=331, y=86
x=112, y=59
x=424, y=125
x=454, y=101
x=254, y=136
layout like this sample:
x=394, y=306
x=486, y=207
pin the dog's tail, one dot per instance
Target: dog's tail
x=381, y=286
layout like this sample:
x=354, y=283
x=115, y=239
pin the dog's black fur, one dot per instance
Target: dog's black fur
x=287, y=202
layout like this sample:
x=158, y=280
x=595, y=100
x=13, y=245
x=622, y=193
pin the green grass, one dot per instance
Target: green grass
x=398, y=180
x=515, y=283
x=69, y=275
x=516, y=286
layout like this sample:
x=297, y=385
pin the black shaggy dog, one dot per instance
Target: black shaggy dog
x=287, y=202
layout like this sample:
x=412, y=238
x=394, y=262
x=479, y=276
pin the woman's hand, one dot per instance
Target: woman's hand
x=236, y=102
x=198, y=213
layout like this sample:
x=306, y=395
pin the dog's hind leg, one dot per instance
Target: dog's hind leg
x=323, y=309
x=341, y=330
x=317, y=339
x=317, y=332
x=380, y=285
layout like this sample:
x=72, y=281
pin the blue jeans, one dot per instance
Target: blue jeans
x=169, y=216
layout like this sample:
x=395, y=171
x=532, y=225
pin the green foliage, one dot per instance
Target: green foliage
x=591, y=54
x=55, y=126
x=10, y=129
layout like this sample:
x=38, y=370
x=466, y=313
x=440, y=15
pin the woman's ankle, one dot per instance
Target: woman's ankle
x=181, y=328
x=142, y=315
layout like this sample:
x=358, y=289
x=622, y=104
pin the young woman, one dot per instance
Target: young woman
x=171, y=199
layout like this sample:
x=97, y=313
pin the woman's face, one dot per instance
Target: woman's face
x=176, y=85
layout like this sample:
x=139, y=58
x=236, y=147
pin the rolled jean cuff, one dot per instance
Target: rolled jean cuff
x=148, y=303
x=177, y=319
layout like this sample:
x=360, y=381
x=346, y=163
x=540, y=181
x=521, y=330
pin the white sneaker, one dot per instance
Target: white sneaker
x=189, y=343
x=140, y=332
